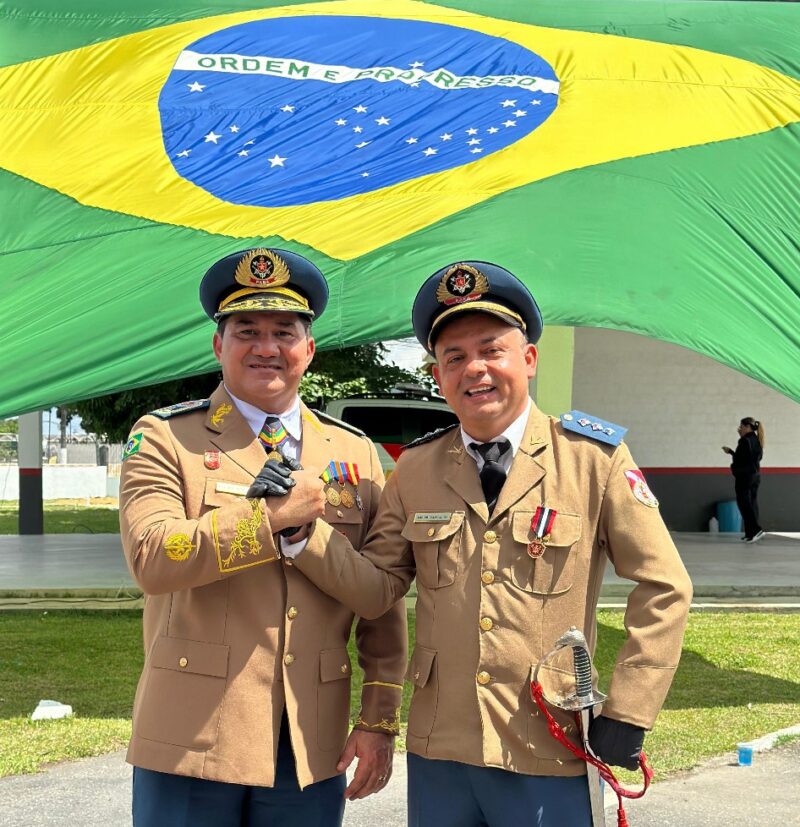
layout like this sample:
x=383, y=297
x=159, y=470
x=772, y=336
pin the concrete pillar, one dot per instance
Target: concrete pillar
x=552, y=385
x=31, y=511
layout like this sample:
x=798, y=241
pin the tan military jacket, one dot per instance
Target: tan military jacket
x=487, y=611
x=232, y=636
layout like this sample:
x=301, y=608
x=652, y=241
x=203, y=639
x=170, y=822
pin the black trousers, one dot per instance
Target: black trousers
x=746, y=498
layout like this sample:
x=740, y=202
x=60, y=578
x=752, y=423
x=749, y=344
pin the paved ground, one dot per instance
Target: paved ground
x=95, y=792
x=720, y=565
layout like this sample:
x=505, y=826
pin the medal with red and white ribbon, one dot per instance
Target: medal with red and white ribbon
x=541, y=526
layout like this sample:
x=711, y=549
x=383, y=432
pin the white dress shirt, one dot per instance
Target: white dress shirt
x=292, y=447
x=513, y=434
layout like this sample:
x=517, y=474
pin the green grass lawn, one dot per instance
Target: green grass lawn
x=64, y=519
x=739, y=679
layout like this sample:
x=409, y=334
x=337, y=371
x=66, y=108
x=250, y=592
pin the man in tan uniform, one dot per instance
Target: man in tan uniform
x=507, y=523
x=242, y=711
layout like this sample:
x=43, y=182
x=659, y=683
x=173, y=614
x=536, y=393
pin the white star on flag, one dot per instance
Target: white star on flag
x=362, y=144
x=416, y=64
x=411, y=140
x=358, y=129
x=473, y=141
x=359, y=108
x=212, y=137
x=249, y=143
x=276, y=160
x=492, y=129
x=472, y=131
x=414, y=85
x=536, y=102
x=509, y=123
x=520, y=113
x=365, y=175
x=340, y=122
x=506, y=103
x=446, y=137
x=234, y=128
x=429, y=151
x=196, y=87
x=184, y=154
x=244, y=153
x=382, y=121
x=287, y=108
x=476, y=150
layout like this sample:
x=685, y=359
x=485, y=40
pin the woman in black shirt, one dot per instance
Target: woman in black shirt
x=746, y=470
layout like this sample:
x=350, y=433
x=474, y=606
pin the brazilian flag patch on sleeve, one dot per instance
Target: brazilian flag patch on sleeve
x=132, y=446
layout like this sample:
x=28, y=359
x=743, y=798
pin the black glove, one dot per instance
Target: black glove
x=616, y=742
x=273, y=480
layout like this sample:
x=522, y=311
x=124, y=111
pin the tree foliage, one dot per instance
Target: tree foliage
x=334, y=374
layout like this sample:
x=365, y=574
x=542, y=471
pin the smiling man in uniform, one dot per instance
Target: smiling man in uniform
x=507, y=522
x=242, y=711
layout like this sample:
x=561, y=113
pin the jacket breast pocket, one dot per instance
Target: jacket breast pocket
x=553, y=572
x=437, y=548
x=333, y=698
x=222, y=492
x=182, y=693
x=347, y=521
x=423, y=674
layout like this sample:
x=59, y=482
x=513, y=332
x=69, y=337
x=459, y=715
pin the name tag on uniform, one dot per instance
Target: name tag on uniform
x=433, y=517
x=232, y=488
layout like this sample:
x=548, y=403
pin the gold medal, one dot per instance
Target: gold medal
x=332, y=496
x=273, y=454
x=347, y=498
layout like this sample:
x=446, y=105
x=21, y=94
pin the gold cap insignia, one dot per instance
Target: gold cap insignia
x=262, y=269
x=461, y=283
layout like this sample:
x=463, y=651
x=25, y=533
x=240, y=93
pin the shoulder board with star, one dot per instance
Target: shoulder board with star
x=181, y=408
x=430, y=436
x=332, y=420
x=593, y=427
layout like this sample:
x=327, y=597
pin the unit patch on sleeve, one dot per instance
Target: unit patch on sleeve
x=640, y=488
x=133, y=445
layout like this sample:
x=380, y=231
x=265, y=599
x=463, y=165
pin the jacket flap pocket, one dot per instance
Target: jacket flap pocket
x=566, y=529
x=342, y=516
x=223, y=492
x=418, y=530
x=190, y=656
x=419, y=668
x=334, y=664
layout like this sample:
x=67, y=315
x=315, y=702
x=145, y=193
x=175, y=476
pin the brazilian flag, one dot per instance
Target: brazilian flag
x=637, y=163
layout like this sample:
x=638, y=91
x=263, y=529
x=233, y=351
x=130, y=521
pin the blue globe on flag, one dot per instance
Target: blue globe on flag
x=298, y=110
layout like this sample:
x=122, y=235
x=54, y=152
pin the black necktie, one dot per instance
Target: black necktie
x=492, y=475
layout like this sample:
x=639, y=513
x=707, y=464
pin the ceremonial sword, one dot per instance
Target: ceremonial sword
x=581, y=702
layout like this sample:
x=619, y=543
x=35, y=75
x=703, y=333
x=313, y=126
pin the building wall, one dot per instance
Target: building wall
x=680, y=408
x=58, y=481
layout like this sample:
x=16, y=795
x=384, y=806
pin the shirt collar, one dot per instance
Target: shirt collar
x=255, y=417
x=513, y=433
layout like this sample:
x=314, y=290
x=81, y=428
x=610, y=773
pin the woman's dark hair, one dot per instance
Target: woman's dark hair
x=757, y=427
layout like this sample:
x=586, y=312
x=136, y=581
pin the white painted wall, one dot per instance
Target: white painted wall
x=58, y=481
x=680, y=407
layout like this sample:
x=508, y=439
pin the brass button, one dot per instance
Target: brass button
x=487, y=577
x=183, y=663
x=340, y=513
x=288, y=561
x=292, y=613
x=344, y=667
x=486, y=623
x=489, y=536
x=484, y=678
x=431, y=532
x=288, y=659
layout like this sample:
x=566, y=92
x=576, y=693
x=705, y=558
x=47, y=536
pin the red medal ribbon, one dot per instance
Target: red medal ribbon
x=542, y=521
